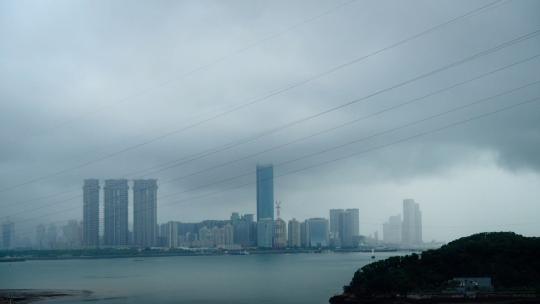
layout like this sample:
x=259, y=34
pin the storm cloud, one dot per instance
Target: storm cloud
x=83, y=84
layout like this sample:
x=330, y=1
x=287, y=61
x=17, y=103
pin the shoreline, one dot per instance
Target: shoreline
x=440, y=298
x=23, y=258
x=34, y=295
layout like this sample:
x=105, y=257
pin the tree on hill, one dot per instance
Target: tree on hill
x=511, y=260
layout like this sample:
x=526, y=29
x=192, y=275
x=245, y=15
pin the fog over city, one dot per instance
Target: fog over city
x=196, y=95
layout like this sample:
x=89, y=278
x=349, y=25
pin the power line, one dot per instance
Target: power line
x=196, y=156
x=378, y=147
x=409, y=138
x=228, y=146
x=211, y=63
x=359, y=140
x=256, y=100
x=201, y=155
x=39, y=198
x=348, y=122
x=250, y=139
x=381, y=132
x=324, y=131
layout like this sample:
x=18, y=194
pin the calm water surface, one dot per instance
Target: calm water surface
x=292, y=278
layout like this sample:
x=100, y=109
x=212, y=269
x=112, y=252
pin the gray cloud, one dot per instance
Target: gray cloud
x=62, y=61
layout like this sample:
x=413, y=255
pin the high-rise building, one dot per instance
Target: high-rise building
x=235, y=216
x=244, y=232
x=334, y=226
x=411, y=231
x=344, y=227
x=116, y=212
x=228, y=235
x=216, y=236
x=145, y=212
x=71, y=233
x=280, y=233
x=392, y=230
x=248, y=217
x=52, y=236
x=90, y=213
x=265, y=192
x=294, y=239
x=171, y=234
x=8, y=235
x=304, y=234
x=355, y=213
x=41, y=237
x=265, y=231
x=206, y=237
x=318, y=232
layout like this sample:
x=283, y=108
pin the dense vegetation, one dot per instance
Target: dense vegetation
x=511, y=260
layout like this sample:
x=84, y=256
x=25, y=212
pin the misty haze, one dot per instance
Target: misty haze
x=353, y=151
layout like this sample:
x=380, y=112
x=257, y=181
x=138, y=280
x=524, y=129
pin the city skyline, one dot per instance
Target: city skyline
x=344, y=151
x=91, y=191
x=339, y=230
x=145, y=212
x=341, y=226
x=414, y=70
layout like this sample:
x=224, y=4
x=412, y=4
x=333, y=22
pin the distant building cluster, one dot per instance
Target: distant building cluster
x=8, y=234
x=106, y=223
x=115, y=213
x=406, y=232
x=50, y=237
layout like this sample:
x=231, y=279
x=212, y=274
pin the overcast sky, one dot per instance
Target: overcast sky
x=105, y=90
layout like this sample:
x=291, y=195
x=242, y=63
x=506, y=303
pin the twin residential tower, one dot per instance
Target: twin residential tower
x=115, y=215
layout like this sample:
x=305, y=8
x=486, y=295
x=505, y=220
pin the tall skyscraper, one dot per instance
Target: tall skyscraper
x=280, y=234
x=344, y=226
x=72, y=234
x=411, y=231
x=265, y=232
x=334, y=226
x=355, y=213
x=294, y=239
x=52, y=236
x=116, y=212
x=304, y=234
x=228, y=235
x=265, y=192
x=318, y=232
x=145, y=212
x=8, y=235
x=244, y=234
x=171, y=234
x=41, y=237
x=392, y=230
x=91, y=213
x=348, y=227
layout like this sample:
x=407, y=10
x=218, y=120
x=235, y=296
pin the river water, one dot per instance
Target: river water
x=273, y=278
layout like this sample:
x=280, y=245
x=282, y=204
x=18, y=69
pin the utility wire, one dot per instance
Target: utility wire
x=476, y=102
x=350, y=122
x=416, y=122
x=228, y=146
x=324, y=131
x=206, y=66
x=249, y=139
x=252, y=102
x=409, y=138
